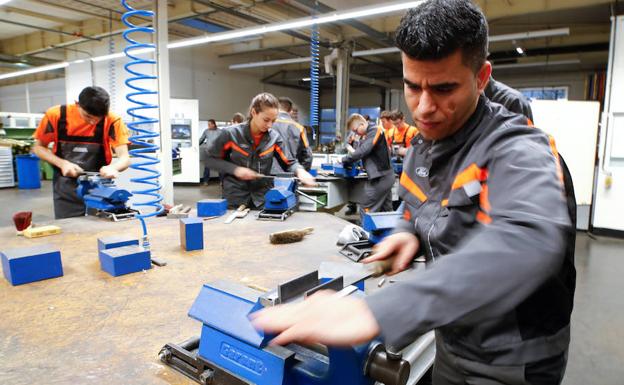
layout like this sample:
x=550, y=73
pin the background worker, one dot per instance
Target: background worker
x=238, y=118
x=294, y=134
x=85, y=135
x=402, y=134
x=485, y=203
x=244, y=153
x=206, y=137
x=373, y=151
x=386, y=122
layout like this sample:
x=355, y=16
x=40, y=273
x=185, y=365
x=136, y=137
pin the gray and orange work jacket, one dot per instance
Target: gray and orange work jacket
x=295, y=135
x=234, y=147
x=373, y=151
x=487, y=205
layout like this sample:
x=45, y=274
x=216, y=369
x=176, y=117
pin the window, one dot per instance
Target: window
x=546, y=93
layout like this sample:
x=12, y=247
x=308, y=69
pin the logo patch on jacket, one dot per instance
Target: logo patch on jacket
x=422, y=172
x=80, y=149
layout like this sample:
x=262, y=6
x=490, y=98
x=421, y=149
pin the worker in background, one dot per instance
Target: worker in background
x=85, y=135
x=294, y=113
x=484, y=203
x=244, y=153
x=294, y=134
x=373, y=151
x=511, y=99
x=238, y=118
x=386, y=123
x=206, y=137
x=402, y=134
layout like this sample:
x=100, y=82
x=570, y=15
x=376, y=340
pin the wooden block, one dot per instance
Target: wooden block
x=43, y=231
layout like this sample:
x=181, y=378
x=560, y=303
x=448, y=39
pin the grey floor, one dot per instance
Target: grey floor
x=597, y=350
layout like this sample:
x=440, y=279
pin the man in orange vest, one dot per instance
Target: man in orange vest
x=84, y=134
x=386, y=123
x=402, y=134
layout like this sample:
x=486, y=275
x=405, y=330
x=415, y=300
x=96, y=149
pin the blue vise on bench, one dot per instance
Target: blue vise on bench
x=103, y=198
x=231, y=351
x=280, y=201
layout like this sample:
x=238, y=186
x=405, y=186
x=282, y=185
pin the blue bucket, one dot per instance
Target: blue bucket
x=28, y=176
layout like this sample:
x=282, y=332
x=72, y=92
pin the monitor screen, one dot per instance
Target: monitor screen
x=181, y=131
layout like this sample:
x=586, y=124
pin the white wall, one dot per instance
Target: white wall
x=43, y=94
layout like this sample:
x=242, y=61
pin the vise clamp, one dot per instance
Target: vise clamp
x=103, y=198
x=231, y=351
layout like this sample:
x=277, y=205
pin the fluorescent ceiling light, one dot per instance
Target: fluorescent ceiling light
x=491, y=39
x=537, y=64
x=270, y=63
x=520, y=50
x=298, y=23
x=2, y=2
x=34, y=70
x=530, y=35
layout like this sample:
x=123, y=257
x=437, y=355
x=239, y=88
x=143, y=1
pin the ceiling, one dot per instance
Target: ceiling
x=34, y=33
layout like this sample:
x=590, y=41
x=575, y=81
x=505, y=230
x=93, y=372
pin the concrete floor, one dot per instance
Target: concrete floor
x=597, y=349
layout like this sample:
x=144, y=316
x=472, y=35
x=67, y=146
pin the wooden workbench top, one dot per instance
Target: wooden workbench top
x=88, y=327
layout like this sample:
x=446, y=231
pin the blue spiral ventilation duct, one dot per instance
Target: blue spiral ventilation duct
x=144, y=126
x=314, y=77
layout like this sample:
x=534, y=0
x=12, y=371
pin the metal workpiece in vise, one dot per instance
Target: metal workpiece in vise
x=103, y=198
x=231, y=351
x=378, y=226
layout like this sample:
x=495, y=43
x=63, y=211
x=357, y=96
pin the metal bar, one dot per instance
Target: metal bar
x=530, y=35
x=296, y=287
x=162, y=59
x=48, y=29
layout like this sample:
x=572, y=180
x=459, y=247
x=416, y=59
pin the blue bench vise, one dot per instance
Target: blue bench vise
x=280, y=201
x=231, y=351
x=103, y=198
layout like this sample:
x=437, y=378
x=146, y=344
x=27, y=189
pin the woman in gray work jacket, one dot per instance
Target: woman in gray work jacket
x=244, y=153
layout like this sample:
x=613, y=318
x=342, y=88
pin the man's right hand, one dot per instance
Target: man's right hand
x=244, y=173
x=402, y=245
x=70, y=169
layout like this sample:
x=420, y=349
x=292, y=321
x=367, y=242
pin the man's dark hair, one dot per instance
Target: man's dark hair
x=437, y=28
x=95, y=101
x=385, y=114
x=238, y=118
x=286, y=103
x=397, y=114
x=212, y=121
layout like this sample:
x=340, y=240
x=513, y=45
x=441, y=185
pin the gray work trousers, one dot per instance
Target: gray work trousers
x=451, y=369
x=378, y=194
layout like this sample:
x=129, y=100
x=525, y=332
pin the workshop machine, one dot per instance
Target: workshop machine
x=103, y=198
x=231, y=351
x=378, y=226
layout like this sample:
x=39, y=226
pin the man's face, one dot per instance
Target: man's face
x=398, y=122
x=442, y=94
x=386, y=123
x=87, y=117
x=212, y=125
x=359, y=127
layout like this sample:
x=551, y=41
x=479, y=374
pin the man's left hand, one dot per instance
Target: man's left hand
x=323, y=318
x=109, y=172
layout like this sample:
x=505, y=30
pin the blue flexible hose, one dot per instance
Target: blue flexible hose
x=314, y=76
x=146, y=138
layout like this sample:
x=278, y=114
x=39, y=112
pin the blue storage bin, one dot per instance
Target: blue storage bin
x=28, y=174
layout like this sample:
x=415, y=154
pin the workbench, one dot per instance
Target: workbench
x=88, y=327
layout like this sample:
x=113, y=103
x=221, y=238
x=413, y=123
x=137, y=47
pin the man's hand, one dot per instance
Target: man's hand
x=244, y=173
x=70, y=169
x=109, y=172
x=305, y=177
x=401, y=151
x=403, y=245
x=350, y=149
x=323, y=318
